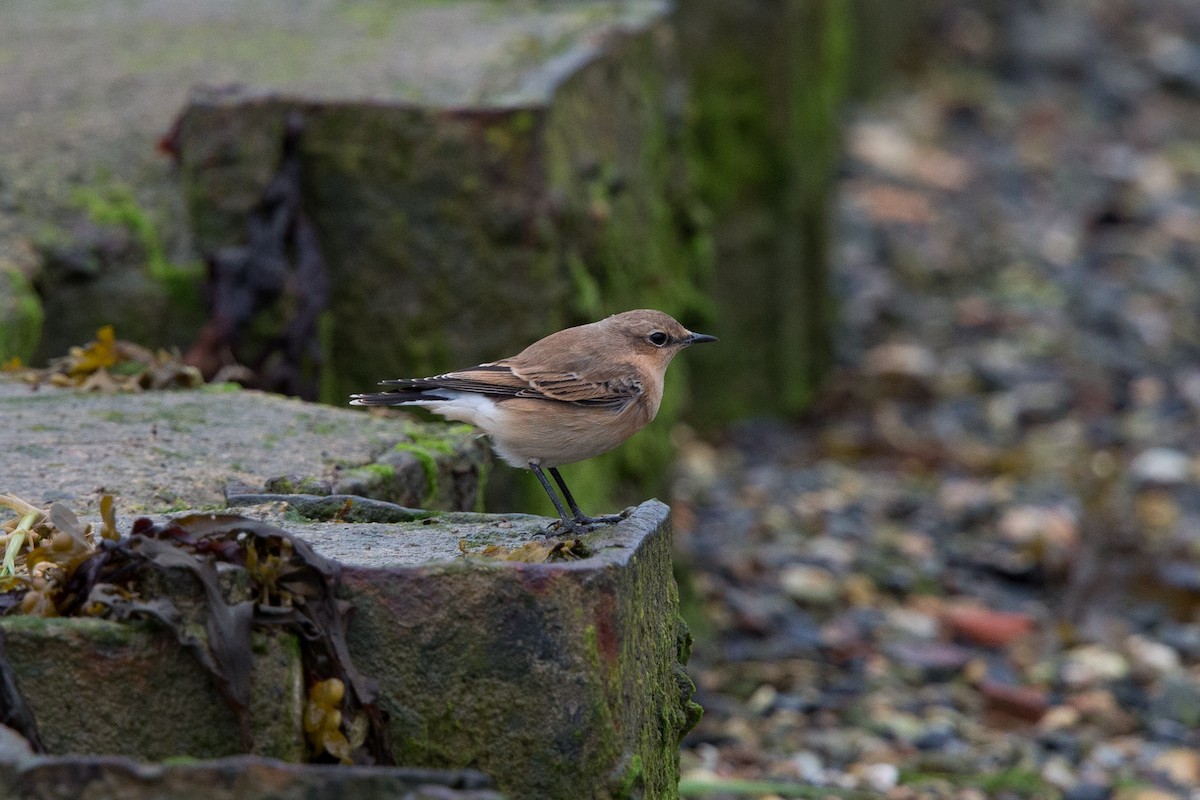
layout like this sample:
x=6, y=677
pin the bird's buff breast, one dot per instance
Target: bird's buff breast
x=551, y=434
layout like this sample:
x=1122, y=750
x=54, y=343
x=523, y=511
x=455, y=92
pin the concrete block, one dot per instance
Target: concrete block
x=168, y=451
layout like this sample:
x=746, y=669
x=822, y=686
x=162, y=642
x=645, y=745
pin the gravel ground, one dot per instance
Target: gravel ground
x=974, y=570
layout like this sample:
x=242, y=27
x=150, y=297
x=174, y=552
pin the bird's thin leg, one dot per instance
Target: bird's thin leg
x=567, y=523
x=580, y=517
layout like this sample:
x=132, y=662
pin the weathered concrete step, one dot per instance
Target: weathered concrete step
x=24, y=776
x=97, y=686
x=557, y=680
x=166, y=451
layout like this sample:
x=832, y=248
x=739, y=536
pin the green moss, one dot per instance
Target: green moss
x=115, y=205
x=21, y=317
x=225, y=387
x=632, y=779
x=385, y=472
x=428, y=462
x=327, y=391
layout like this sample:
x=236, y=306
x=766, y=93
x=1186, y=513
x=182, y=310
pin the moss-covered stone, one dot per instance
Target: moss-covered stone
x=20, y=316
x=768, y=81
x=559, y=680
x=97, y=686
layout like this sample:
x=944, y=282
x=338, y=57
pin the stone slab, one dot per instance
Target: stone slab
x=557, y=679
x=25, y=776
x=97, y=686
x=167, y=451
x=90, y=88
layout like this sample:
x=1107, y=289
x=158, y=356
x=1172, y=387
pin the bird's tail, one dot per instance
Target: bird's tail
x=401, y=396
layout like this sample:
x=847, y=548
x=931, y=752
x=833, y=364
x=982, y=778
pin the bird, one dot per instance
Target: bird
x=572, y=395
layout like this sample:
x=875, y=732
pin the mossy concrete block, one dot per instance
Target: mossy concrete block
x=97, y=686
x=168, y=451
x=20, y=315
x=25, y=776
x=463, y=218
x=559, y=680
x=768, y=80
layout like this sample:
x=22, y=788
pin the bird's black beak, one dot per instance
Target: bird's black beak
x=699, y=338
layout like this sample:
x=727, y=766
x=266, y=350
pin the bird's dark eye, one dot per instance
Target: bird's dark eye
x=658, y=338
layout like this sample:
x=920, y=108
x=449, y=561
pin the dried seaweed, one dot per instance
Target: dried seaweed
x=65, y=568
x=109, y=364
x=278, y=270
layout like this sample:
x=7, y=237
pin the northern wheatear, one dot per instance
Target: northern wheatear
x=573, y=395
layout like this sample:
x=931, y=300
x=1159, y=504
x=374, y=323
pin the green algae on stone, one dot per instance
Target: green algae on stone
x=768, y=81
x=21, y=316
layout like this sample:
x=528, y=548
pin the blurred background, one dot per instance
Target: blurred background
x=935, y=493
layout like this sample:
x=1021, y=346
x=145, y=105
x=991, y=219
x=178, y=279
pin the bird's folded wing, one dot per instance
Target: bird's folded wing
x=607, y=389
x=501, y=380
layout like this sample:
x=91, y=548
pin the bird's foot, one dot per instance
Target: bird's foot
x=566, y=527
x=608, y=519
x=581, y=523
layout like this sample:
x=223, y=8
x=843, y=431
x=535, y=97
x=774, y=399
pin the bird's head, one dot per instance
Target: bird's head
x=653, y=335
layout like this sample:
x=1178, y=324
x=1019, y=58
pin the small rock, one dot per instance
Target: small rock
x=1087, y=791
x=809, y=585
x=984, y=626
x=1057, y=772
x=1039, y=402
x=935, y=661
x=762, y=699
x=913, y=623
x=1177, y=699
x=1177, y=62
x=935, y=737
x=1022, y=702
x=809, y=767
x=967, y=501
x=1161, y=466
x=901, y=360
x=1090, y=665
x=879, y=777
x=1181, y=766
x=1059, y=718
x=1151, y=658
x=1100, y=707
x=1147, y=793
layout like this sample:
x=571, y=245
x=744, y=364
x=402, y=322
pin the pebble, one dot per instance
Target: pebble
x=1150, y=658
x=984, y=626
x=880, y=777
x=1057, y=772
x=809, y=585
x=1022, y=702
x=899, y=584
x=1161, y=466
x=1089, y=665
x=1181, y=766
x=1087, y=791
